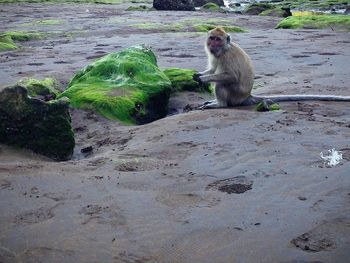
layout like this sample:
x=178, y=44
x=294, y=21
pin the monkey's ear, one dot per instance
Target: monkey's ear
x=228, y=38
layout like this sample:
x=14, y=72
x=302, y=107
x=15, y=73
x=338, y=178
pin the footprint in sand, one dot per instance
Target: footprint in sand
x=35, y=216
x=47, y=254
x=324, y=237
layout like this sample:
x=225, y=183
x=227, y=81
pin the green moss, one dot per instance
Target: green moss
x=182, y=79
x=44, y=127
x=7, y=39
x=139, y=8
x=257, y=8
x=265, y=107
x=207, y=27
x=211, y=7
x=6, y=43
x=277, y=11
x=46, y=88
x=318, y=21
x=126, y=86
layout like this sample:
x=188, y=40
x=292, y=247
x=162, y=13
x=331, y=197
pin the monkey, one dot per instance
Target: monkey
x=231, y=70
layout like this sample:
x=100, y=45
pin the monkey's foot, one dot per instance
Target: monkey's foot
x=212, y=104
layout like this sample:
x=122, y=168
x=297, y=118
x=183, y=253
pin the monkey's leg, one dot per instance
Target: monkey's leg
x=220, y=77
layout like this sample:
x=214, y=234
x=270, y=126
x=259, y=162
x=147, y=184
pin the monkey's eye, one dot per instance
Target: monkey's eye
x=214, y=38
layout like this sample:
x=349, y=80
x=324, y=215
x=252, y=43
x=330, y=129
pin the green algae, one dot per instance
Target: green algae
x=127, y=86
x=46, y=88
x=140, y=8
x=207, y=27
x=7, y=43
x=7, y=39
x=211, y=7
x=182, y=80
x=261, y=107
x=44, y=127
x=316, y=22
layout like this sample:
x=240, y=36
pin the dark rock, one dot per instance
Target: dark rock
x=177, y=5
x=203, y=2
x=44, y=127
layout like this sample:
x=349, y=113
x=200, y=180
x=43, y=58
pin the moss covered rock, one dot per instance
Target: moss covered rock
x=7, y=39
x=257, y=8
x=46, y=89
x=316, y=22
x=211, y=7
x=44, y=127
x=203, y=2
x=182, y=80
x=278, y=11
x=126, y=86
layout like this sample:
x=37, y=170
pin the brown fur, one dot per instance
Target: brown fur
x=231, y=70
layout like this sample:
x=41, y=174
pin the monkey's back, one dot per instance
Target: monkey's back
x=237, y=62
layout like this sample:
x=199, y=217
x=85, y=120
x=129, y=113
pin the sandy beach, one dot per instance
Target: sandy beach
x=226, y=185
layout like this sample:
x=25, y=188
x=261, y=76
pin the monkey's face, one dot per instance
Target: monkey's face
x=216, y=44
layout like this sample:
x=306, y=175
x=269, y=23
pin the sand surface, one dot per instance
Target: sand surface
x=228, y=185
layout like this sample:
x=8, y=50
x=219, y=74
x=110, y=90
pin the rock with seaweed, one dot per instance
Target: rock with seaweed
x=8, y=39
x=183, y=5
x=127, y=86
x=340, y=22
x=44, y=127
x=182, y=80
x=203, y=2
x=211, y=7
x=257, y=8
x=46, y=89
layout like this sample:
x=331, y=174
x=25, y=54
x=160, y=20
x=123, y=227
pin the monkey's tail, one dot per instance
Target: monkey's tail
x=280, y=98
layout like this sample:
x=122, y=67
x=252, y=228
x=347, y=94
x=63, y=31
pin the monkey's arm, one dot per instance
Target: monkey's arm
x=205, y=72
x=220, y=77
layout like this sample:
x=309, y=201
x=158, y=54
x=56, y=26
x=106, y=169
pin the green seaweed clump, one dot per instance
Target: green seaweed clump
x=7, y=39
x=126, y=86
x=278, y=11
x=211, y=7
x=257, y=8
x=264, y=106
x=139, y=8
x=45, y=89
x=44, y=127
x=182, y=80
x=316, y=22
x=207, y=27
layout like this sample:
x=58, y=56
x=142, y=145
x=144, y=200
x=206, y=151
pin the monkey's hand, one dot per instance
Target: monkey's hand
x=196, y=77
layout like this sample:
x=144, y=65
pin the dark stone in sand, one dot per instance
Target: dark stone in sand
x=203, y=2
x=234, y=185
x=183, y=5
x=310, y=243
x=44, y=127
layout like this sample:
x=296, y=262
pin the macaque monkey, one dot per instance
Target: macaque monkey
x=231, y=70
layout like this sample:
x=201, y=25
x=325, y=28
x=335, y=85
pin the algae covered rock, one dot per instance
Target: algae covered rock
x=182, y=80
x=45, y=89
x=203, y=2
x=44, y=127
x=126, y=86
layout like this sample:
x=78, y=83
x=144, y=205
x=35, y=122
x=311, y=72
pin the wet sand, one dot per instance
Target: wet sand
x=228, y=185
